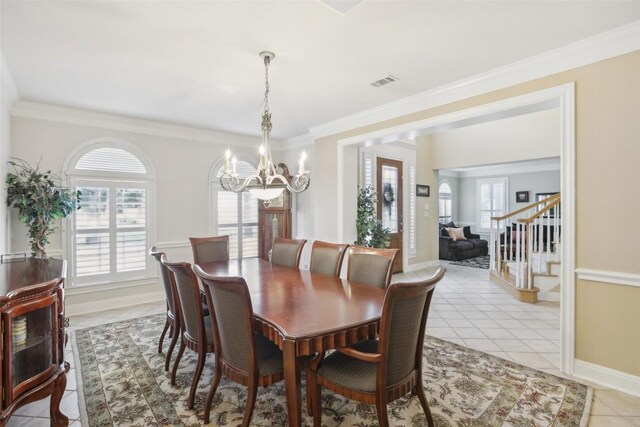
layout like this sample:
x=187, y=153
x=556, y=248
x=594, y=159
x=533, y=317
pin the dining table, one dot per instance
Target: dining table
x=304, y=314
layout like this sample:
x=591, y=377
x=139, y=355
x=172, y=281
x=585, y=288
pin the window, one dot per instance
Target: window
x=237, y=215
x=491, y=200
x=444, y=203
x=412, y=209
x=110, y=231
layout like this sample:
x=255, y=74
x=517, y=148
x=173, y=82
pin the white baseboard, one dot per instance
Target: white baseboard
x=115, y=302
x=608, y=377
x=549, y=296
x=421, y=265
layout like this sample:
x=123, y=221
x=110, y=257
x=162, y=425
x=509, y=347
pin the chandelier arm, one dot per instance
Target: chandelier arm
x=232, y=183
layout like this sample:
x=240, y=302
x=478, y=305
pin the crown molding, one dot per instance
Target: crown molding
x=298, y=141
x=75, y=116
x=618, y=41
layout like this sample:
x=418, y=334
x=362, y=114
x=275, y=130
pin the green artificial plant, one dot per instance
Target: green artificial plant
x=41, y=200
x=369, y=229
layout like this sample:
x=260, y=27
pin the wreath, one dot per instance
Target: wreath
x=387, y=195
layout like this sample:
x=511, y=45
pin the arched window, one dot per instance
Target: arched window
x=444, y=203
x=236, y=214
x=109, y=235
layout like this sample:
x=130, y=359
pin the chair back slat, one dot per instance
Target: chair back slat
x=209, y=249
x=232, y=315
x=371, y=266
x=188, y=290
x=402, y=327
x=166, y=281
x=286, y=252
x=326, y=258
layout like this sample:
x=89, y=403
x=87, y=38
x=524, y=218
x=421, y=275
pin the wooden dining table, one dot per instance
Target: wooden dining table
x=304, y=313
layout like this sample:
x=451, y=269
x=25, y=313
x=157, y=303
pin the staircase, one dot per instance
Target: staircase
x=525, y=247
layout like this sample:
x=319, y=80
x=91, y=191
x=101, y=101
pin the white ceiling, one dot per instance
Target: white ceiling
x=196, y=63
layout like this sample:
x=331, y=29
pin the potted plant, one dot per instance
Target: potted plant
x=41, y=200
x=369, y=229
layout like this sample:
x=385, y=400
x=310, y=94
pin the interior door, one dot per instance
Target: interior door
x=389, y=187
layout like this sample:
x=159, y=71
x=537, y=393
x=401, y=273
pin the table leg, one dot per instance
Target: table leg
x=292, y=383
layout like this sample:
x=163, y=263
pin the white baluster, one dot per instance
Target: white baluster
x=517, y=255
x=529, y=243
x=492, y=247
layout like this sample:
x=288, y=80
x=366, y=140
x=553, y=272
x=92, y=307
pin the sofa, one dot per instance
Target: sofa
x=456, y=250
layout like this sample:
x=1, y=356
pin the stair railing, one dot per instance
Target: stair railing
x=518, y=235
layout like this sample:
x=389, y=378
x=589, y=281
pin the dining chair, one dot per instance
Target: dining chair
x=371, y=266
x=197, y=333
x=242, y=354
x=172, y=323
x=209, y=249
x=326, y=258
x=286, y=252
x=383, y=370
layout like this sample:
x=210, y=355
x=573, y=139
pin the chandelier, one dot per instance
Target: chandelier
x=266, y=183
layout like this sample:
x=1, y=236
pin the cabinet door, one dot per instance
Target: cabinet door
x=273, y=224
x=30, y=339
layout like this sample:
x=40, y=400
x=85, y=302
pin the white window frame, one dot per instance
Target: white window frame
x=491, y=181
x=75, y=177
x=214, y=188
x=450, y=198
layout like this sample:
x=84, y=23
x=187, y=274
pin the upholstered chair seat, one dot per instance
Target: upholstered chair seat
x=381, y=371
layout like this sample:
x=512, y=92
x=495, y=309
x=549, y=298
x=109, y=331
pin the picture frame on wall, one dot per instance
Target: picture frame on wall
x=422, y=191
x=522, y=197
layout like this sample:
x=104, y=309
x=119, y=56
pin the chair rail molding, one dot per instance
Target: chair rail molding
x=611, y=277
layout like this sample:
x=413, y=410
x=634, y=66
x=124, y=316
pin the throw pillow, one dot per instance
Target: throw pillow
x=456, y=234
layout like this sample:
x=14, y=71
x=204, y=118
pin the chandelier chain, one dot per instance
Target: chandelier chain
x=267, y=61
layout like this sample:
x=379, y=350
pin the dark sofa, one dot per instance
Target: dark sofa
x=461, y=249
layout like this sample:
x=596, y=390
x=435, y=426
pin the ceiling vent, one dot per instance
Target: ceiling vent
x=385, y=81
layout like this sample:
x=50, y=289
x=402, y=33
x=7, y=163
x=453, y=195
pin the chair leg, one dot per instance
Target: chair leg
x=176, y=334
x=196, y=377
x=217, y=374
x=164, y=332
x=314, y=364
x=381, y=408
x=252, y=392
x=175, y=364
x=316, y=401
x=425, y=406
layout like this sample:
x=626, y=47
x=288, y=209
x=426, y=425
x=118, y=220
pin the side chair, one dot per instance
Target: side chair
x=371, y=266
x=286, y=252
x=326, y=258
x=242, y=354
x=383, y=370
x=197, y=333
x=172, y=323
x=209, y=249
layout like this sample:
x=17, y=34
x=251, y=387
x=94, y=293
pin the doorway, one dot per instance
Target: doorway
x=389, y=186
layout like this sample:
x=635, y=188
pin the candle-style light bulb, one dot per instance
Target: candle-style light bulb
x=227, y=156
x=303, y=157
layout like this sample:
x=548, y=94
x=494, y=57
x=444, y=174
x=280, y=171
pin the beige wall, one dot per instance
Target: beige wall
x=607, y=153
x=526, y=137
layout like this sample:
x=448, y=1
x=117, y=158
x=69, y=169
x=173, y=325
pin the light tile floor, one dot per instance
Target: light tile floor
x=466, y=309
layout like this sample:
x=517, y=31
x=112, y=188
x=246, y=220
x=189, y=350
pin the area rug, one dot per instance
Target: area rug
x=122, y=382
x=475, y=262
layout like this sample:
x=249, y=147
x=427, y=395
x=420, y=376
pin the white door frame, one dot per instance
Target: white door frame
x=562, y=97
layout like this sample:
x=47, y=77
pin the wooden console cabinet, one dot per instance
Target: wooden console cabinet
x=32, y=325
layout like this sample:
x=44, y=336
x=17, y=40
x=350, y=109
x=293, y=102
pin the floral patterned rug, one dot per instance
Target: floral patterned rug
x=122, y=383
